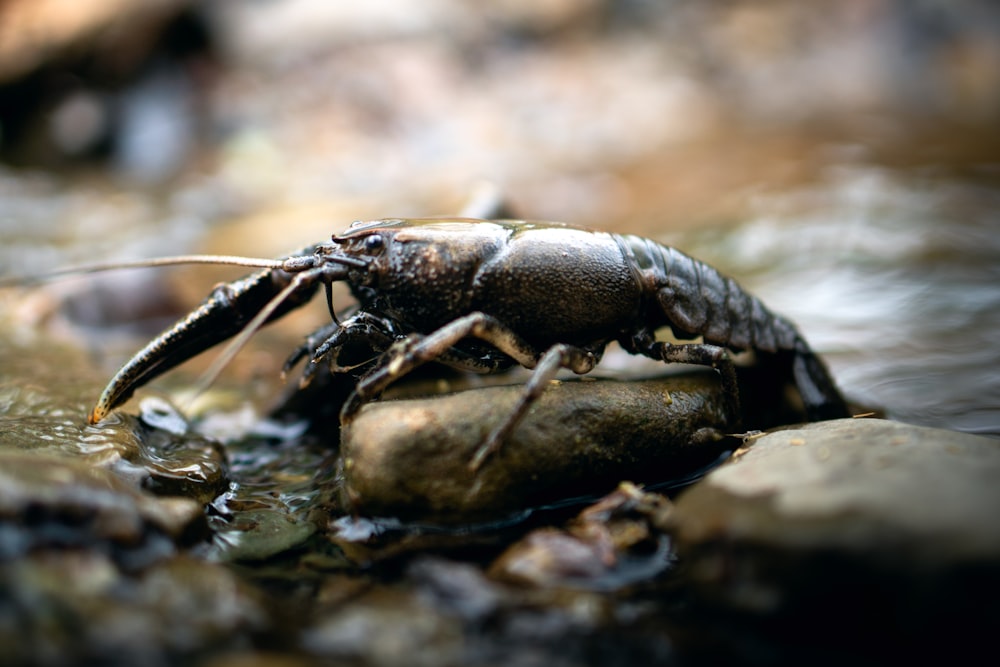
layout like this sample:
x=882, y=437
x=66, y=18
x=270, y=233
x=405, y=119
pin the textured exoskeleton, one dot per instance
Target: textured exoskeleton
x=486, y=295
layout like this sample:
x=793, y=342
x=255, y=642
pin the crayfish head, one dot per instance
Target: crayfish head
x=419, y=271
x=413, y=250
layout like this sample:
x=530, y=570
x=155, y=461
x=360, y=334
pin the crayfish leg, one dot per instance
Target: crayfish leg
x=700, y=354
x=416, y=350
x=555, y=359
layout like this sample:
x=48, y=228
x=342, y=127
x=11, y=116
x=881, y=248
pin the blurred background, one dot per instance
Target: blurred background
x=841, y=158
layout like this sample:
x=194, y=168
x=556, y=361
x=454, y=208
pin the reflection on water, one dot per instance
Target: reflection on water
x=893, y=276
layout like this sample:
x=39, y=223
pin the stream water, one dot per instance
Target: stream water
x=779, y=148
x=891, y=274
x=894, y=275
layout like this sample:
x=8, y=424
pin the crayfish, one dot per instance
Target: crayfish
x=487, y=295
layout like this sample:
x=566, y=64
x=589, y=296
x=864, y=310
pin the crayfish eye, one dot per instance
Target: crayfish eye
x=374, y=243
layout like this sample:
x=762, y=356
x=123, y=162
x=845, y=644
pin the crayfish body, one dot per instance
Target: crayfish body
x=484, y=296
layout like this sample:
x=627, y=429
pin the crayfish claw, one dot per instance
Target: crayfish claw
x=294, y=358
x=308, y=373
x=96, y=416
x=309, y=348
x=324, y=349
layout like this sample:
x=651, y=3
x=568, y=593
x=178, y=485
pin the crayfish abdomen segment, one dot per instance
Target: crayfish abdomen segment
x=694, y=299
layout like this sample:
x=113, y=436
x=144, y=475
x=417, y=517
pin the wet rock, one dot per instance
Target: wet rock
x=45, y=388
x=617, y=541
x=179, y=463
x=254, y=535
x=366, y=542
x=54, y=503
x=72, y=607
x=454, y=588
x=456, y=614
x=386, y=627
x=548, y=556
x=275, y=491
x=410, y=458
x=885, y=529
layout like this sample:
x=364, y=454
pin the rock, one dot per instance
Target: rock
x=455, y=588
x=612, y=543
x=47, y=502
x=74, y=607
x=410, y=458
x=384, y=628
x=886, y=530
x=261, y=534
x=45, y=393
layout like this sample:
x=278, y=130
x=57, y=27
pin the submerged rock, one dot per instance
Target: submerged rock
x=410, y=458
x=887, y=530
x=46, y=502
x=615, y=542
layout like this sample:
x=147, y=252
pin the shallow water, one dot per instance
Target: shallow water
x=893, y=275
x=819, y=162
x=891, y=268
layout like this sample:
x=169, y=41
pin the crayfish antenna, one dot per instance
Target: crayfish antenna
x=174, y=260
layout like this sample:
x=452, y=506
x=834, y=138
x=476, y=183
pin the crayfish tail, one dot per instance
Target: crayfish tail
x=819, y=393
